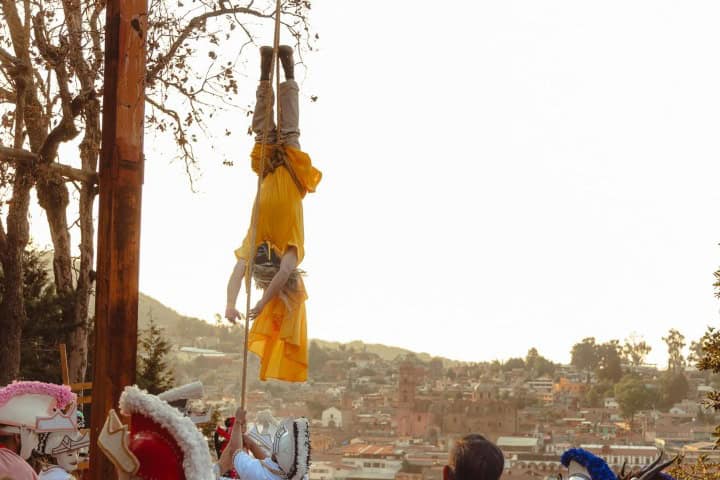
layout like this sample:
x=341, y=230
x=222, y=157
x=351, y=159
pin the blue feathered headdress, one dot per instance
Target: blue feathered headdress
x=596, y=466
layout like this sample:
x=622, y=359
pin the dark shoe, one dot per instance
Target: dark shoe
x=285, y=52
x=266, y=54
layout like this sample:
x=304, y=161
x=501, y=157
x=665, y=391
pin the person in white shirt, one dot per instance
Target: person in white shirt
x=284, y=456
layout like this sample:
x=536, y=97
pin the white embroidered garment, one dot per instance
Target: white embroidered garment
x=55, y=473
x=249, y=468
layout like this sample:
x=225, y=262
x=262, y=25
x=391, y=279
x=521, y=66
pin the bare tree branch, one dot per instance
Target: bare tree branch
x=7, y=57
x=3, y=239
x=192, y=25
x=95, y=34
x=17, y=30
x=28, y=158
x=73, y=21
x=180, y=137
x=6, y=96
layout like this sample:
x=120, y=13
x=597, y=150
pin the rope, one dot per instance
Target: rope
x=256, y=203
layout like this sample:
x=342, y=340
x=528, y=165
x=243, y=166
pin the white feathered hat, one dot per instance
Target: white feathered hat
x=190, y=391
x=39, y=406
x=291, y=448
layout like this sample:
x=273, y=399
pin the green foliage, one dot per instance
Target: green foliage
x=520, y=400
x=315, y=408
x=584, y=356
x=673, y=389
x=317, y=356
x=704, y=418
x=710, y=344
x=209, y=428
x=153, y=372
x=702, y=469
x=605, y=359
x=608, y=361
x=537, y=365
x=45, y=328
x=711, y=361
x=632, y=395
x=696, y=351
x=595, y=395
x=512, y=364
x=675, y=342
x=708, y=352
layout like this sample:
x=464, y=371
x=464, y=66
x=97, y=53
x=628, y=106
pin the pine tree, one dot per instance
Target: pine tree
x=44, y=329
x=153, y=372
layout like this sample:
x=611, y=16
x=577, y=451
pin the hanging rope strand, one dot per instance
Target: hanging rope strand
x=256, y=204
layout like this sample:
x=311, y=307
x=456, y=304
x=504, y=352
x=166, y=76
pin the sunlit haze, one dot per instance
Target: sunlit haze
x=497, y=176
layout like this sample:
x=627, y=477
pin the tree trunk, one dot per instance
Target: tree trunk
x=78, y=338
x=77, y=313
x=29, y=117
x=12, y=307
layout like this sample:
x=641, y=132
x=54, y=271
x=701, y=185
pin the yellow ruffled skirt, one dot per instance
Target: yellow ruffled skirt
x=279, y=333
x=279, y=337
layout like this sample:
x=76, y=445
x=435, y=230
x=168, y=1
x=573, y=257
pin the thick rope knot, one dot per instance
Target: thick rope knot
x=276, y=158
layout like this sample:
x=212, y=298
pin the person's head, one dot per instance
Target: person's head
x=10, y=441
x=474, y=458
x=63, y=448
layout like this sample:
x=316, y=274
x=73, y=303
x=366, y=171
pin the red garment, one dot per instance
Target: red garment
x=157, y=451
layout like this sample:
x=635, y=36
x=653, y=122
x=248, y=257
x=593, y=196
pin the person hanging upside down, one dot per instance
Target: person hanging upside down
x=279, y=331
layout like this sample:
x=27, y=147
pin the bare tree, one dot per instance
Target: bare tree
x=51, y=71
x=635, y=349
x=675, y=342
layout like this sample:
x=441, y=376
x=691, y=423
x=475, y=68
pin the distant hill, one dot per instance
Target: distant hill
x=148, y=307
x=171, y=321
x=164, y=316
x=176, y=323
x=385, y=352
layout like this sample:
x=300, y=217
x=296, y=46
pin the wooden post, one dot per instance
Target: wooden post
x=64, y=364
x=121, y=176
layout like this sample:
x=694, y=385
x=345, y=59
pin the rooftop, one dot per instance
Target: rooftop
x=517, y=442
x=365, y=450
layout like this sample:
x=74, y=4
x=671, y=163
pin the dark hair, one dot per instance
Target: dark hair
x=476, y=458
x=7, y=438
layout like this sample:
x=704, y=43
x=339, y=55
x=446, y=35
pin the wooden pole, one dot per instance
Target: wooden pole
x=121, y=176
x=64, y=364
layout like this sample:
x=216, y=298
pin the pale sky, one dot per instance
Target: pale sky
x=497, y=176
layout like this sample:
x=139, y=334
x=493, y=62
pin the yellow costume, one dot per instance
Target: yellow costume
x=279, y=332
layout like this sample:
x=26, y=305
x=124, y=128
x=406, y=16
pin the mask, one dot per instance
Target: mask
x=68, y=461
